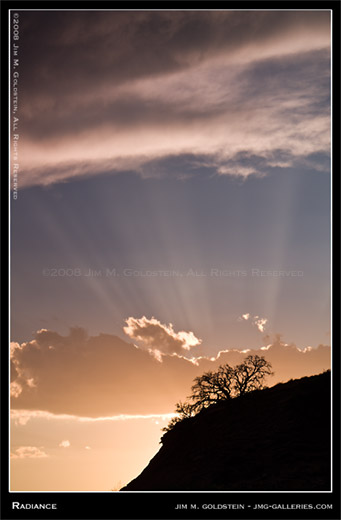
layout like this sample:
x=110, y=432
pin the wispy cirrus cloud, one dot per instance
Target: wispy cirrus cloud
x=250, y=94
x=22, y=417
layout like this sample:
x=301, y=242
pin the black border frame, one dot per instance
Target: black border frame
x=99, y=505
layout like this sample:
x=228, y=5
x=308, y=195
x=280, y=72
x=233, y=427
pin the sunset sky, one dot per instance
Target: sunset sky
x=173, y=214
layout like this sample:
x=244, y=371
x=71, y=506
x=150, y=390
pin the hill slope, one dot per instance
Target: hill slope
x=273, y=439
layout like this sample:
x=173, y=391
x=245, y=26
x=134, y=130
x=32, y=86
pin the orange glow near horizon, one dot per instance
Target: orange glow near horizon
x=81, y=456
x=49, y=447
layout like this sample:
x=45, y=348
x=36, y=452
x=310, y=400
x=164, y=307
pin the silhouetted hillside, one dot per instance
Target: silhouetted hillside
x=272, y=439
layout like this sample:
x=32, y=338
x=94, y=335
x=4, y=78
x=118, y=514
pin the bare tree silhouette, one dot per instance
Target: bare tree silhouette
x=184, y=411
x=226, y=383
x=212, y=387
x=250, y=375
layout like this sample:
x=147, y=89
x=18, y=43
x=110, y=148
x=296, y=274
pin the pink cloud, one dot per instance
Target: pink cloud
x=103, y=376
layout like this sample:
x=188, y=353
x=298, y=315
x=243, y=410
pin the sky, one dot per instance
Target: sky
x=172, y=214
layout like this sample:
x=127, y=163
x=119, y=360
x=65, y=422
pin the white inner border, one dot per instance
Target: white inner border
x=331, y=225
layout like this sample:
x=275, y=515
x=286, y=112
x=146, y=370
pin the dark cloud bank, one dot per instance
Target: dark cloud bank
x=104, y=375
